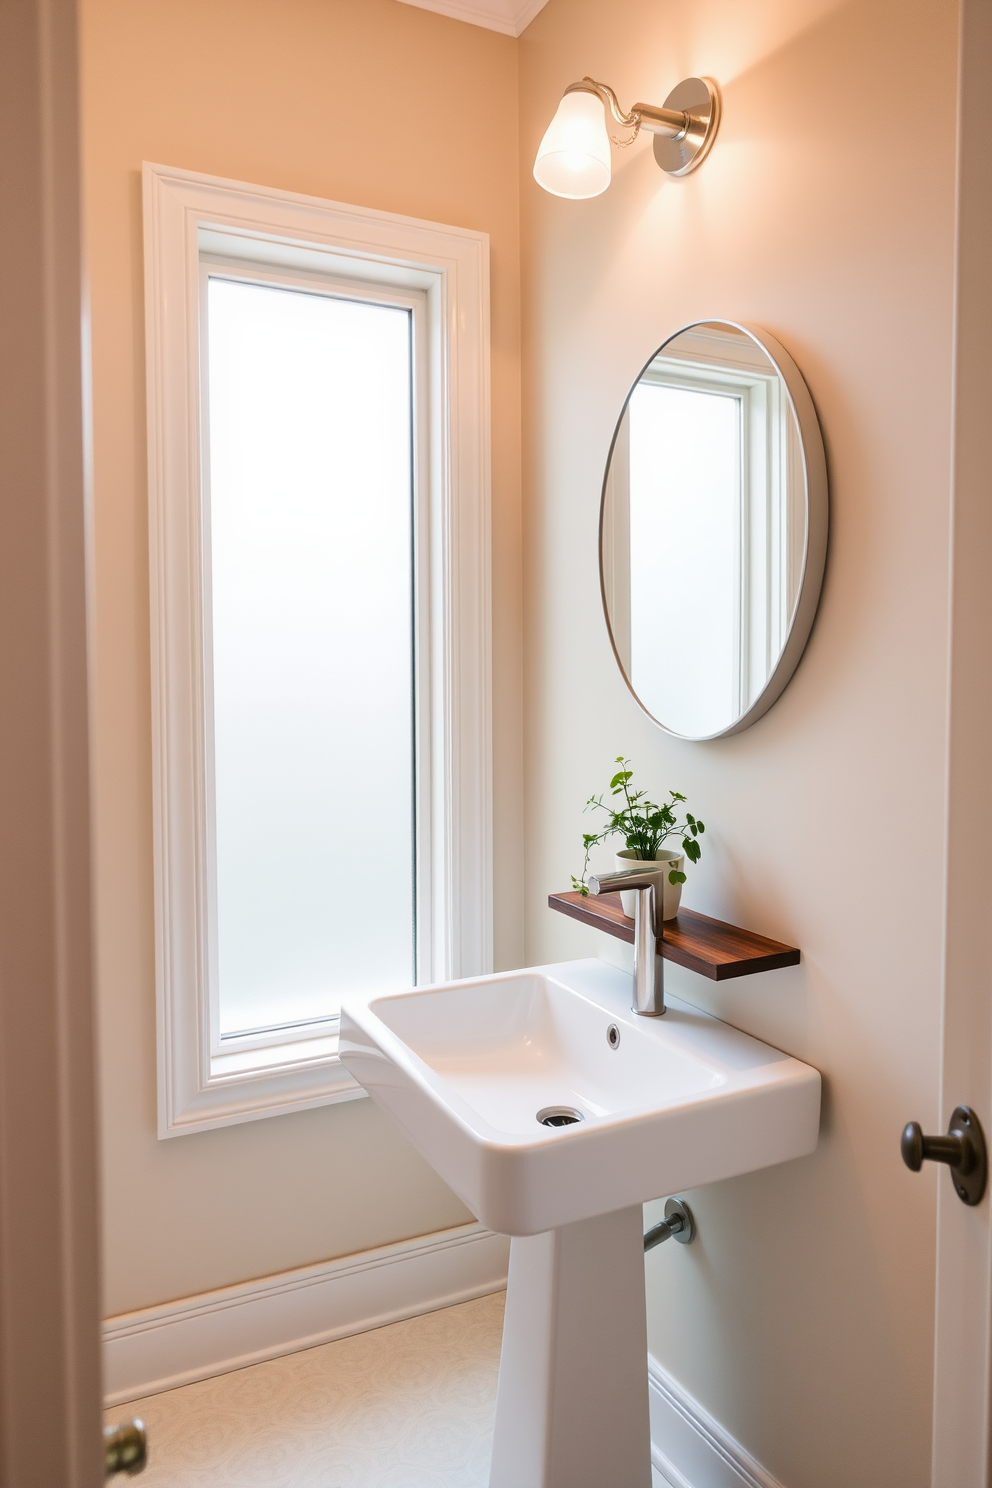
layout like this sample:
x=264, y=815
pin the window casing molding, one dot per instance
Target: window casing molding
x=444, y=272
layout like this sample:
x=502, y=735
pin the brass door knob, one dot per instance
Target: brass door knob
x=125, y=1448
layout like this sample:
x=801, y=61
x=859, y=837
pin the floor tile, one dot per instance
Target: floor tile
x=406, y=1406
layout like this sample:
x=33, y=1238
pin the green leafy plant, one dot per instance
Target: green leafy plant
x=642, y=824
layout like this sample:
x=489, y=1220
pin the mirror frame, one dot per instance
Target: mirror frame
x=817, y=527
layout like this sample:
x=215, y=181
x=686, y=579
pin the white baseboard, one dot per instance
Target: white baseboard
x=689, y=1447
x=162, y=1347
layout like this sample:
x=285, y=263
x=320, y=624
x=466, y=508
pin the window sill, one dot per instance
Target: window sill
x=247, y=1084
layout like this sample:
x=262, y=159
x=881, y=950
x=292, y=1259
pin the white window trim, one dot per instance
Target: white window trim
x=185, y=212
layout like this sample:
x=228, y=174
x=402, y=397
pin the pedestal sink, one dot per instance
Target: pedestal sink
x=554, y=1112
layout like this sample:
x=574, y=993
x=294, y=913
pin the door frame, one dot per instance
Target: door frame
x=961, y=1419
x=50, y=1376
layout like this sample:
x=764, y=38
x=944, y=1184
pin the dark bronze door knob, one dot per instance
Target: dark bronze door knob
x=963, y=1150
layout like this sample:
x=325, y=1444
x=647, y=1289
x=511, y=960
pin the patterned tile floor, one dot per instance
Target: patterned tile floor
x=406, y=1406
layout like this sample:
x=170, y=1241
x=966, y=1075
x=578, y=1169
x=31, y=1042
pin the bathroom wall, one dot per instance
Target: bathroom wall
x=802, y=1317
x=364, y=101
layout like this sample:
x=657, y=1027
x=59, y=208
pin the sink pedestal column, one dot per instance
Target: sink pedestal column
x=572, y=1402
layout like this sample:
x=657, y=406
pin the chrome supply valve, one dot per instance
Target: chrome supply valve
x=678, y=1224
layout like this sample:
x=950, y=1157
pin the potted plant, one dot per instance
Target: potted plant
x=645, y=828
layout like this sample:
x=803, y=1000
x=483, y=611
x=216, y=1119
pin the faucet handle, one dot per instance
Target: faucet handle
x=628, y=878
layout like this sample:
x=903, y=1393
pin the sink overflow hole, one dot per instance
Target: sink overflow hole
x=559, y=1116
x=613, y=1036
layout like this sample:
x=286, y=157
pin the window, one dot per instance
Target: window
x=310, y=639
x=318, y=487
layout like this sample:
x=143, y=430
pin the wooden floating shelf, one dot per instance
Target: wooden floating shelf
x=709, y=946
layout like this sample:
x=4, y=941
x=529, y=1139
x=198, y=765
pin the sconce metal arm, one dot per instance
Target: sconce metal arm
x=674, y=123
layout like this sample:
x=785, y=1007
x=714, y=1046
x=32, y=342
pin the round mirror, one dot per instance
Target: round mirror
x=713, y=529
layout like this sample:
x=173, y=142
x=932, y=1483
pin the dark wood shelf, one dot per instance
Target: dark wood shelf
x=709, y=946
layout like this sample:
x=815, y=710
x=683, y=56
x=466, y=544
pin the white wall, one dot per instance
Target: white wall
x=802, y=1317
x=352, y=100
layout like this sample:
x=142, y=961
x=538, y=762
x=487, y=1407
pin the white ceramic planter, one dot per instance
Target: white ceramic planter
x=626, y=859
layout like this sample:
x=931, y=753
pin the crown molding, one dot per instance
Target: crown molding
x=509, y=17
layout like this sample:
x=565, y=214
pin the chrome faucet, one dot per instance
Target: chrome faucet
x=649, y=975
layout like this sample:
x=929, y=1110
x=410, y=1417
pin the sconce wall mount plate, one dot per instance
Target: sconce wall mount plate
x=700, y=99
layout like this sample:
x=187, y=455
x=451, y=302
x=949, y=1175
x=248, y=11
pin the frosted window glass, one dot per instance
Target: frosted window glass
x=685, y=498
x=309, y=533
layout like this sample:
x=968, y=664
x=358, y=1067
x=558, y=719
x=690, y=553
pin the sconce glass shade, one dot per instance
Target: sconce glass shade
x=574, y=157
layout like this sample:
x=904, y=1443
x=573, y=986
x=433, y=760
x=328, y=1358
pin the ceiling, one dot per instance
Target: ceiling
x=508, y=16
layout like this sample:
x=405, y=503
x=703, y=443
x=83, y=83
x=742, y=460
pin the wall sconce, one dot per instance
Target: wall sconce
x=574, y=157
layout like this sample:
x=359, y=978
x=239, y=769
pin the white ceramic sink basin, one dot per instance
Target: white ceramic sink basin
x=682, y=1100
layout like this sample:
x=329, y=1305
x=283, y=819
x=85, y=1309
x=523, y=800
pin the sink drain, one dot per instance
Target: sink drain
x=559, y=1116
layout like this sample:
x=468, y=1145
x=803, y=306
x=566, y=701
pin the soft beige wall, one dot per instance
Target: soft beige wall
x=802, y=1317
x=364, y=101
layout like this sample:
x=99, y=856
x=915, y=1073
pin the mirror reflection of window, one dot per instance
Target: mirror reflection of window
x=684, y=565
x=704, y=529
